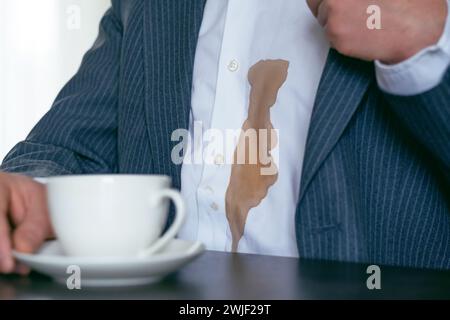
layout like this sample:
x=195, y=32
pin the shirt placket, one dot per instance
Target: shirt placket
x=229, y=112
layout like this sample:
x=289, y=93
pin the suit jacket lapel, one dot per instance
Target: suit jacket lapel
x=171, y=30
x=343, y=85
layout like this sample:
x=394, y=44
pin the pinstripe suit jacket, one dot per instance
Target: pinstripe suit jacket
x=376, y=179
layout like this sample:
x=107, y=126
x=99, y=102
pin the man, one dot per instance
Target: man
x=362, y=130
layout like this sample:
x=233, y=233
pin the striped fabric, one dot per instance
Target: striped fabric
x=376, y=177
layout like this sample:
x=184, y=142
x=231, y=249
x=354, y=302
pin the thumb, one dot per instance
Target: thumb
x=27, y=238
x=32, y=232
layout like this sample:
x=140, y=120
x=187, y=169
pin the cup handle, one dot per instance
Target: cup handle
x=171, y=233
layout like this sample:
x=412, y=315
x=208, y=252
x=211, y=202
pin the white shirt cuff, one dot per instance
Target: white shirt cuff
x=420, y=73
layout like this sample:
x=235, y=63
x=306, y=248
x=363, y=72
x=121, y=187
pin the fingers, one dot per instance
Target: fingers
x=314, y=6
x=31, y=234
x=6, y=259
x=24, y=220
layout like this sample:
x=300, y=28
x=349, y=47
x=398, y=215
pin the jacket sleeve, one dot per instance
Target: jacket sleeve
x=427, y=116
x=79, y=133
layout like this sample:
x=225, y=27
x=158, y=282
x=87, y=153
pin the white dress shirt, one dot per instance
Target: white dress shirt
x=234, y=36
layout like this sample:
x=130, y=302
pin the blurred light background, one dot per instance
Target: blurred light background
x=42, y=43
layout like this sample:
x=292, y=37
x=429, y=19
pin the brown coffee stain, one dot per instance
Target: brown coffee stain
x=252, y=176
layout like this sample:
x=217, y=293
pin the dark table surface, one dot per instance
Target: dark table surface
x=239, y=276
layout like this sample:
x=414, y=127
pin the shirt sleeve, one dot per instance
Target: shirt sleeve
x=420, y=73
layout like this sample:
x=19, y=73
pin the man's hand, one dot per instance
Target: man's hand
x=24, y=219
x=407, y=26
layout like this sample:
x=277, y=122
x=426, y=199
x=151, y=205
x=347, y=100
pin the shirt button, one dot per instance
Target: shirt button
x=233, y=66
x=214, y=206
x=219, y=160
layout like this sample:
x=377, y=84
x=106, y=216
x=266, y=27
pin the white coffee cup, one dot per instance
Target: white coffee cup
x=113, y=215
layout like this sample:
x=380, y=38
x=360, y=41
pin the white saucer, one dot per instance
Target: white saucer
x=111, y=272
